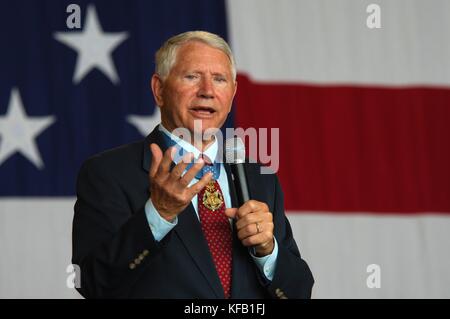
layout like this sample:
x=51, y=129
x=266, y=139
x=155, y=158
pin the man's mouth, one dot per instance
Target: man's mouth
x=202, y=111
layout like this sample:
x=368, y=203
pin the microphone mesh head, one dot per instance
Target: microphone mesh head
x=234, y=151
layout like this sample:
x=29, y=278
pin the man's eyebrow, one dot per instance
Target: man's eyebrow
x=190, y=71
x=224, y=73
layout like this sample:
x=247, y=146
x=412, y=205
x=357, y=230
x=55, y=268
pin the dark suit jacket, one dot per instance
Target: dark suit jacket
x=119, y=258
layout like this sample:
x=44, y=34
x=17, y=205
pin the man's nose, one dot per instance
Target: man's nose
x=206, y=89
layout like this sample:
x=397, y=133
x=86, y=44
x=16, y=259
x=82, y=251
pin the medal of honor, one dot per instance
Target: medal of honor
x=212, y=199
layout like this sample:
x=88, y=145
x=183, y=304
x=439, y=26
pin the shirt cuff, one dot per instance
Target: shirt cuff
x=267, y=264
x=158, y=225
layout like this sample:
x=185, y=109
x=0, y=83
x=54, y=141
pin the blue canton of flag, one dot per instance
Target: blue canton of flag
x=66, y=94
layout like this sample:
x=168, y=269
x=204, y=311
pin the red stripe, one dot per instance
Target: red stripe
x=348, y=148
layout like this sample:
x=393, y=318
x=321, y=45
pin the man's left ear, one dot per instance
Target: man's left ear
x=157, y=84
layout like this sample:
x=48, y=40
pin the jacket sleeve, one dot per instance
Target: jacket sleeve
x=292, y=278
x=110, y=243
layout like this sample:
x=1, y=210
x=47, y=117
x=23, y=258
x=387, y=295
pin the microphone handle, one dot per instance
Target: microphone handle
x=240, y=183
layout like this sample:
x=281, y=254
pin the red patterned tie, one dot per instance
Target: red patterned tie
x=217, y=231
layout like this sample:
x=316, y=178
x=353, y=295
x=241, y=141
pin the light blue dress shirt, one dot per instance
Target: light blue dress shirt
x=161, y=227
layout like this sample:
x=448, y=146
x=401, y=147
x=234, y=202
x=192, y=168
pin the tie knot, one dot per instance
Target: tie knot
x=209, y=167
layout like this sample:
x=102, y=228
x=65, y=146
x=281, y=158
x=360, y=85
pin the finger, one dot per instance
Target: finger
x=249, y=219
x=178, y=170
x=156, y=159
x=251, y=206
x=231, y=212
x=256, y=228
x=247, y=231
x=190, y=174
x=197, y=187
x=164, y=167
x=257, y=239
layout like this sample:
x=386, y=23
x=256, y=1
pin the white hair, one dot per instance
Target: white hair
x=166, y=55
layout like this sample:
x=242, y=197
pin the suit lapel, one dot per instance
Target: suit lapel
x=188, y=228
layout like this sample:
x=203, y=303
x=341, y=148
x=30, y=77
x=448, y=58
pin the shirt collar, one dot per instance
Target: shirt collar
x=210, y=152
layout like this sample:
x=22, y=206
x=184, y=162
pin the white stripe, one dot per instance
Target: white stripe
x=324, y=41
x=412, y=252
x=35, y=246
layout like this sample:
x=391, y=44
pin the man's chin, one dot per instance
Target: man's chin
x=203, y=126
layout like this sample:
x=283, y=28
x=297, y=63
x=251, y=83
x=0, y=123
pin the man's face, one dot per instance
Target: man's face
x=199, y=86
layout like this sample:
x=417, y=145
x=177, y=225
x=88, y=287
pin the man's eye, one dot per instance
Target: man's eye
x=220, y=79
x=190, y=76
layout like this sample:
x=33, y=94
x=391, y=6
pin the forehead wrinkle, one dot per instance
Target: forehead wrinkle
x=185, y=56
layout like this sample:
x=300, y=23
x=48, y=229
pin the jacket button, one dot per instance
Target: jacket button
x=132, y=266
x=280, y=294
x=145, y=252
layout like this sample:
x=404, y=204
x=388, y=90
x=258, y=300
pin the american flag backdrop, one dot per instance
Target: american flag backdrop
x=363, y=116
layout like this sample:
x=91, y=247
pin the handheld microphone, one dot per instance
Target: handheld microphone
x=235, y=156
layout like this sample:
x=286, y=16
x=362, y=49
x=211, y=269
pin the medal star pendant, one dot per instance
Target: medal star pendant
x=212, y=199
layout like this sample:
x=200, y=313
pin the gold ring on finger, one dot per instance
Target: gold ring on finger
x=258, y=230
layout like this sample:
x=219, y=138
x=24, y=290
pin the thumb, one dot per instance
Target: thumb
x=231, y=212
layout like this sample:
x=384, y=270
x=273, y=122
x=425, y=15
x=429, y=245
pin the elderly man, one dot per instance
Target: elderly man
x=149, y=226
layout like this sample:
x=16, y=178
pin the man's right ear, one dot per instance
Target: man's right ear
x=157, y=88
